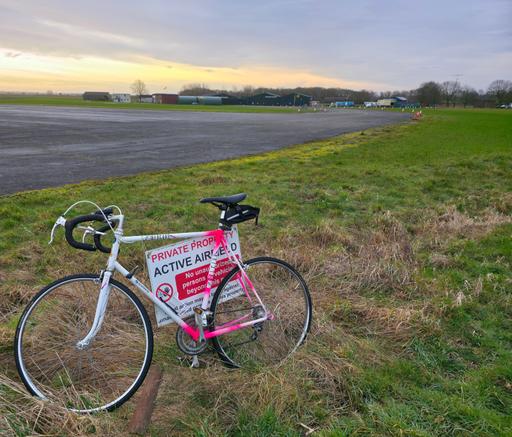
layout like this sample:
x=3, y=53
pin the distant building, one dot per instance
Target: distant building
x=402, y=102
x=187, y=100
x=390, y=102
x=228, y=99
x=271, y=99
x=294, y=99
x=97, y=96
x=370, y=104
x=344, y=104
x=386, y=103
x=169, y=99
x=209, y=100
x=121, y=98
x=263, y=99
x=145, y=98
x=200, y=100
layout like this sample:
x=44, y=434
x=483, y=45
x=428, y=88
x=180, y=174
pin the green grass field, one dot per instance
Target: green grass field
x=77, y=101
x=404, y=236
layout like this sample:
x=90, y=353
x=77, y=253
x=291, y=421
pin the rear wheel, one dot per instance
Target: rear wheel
x=101, y=376
x=285, y=296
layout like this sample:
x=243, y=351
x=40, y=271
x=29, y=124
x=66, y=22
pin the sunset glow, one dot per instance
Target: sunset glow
x=30, y=72
x=71, y=47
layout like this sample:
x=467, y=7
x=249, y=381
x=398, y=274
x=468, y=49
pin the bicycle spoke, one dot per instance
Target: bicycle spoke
x=94, y=376
x=286, y=299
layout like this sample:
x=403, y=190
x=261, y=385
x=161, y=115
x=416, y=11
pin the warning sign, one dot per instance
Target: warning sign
x=178, y=272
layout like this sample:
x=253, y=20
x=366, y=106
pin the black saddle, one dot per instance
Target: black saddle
x=232, y=212
x=225, y=200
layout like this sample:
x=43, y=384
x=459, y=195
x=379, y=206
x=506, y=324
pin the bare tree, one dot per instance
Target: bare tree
x=429, y=93
x=386, y=94
x=196, y=89
x=500, y=90
x=139, y=89
x=468, y=95
x=247, y=90
x=450, y=91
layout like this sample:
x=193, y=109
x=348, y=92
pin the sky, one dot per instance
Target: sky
x=73, y=46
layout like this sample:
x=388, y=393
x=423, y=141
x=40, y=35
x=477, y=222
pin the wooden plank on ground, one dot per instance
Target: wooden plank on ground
x=146, y=401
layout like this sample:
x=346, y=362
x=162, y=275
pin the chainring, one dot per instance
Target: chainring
x=186, y=343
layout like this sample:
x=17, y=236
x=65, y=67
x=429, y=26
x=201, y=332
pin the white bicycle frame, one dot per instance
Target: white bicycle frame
x=197, y=334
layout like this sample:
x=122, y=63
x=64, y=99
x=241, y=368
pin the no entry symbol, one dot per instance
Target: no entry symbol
x=164, y=292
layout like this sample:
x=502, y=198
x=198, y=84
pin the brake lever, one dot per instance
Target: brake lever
x=61, y=221
x=89, y=230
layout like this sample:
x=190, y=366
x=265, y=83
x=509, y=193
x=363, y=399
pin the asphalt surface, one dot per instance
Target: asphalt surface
x=44, y=146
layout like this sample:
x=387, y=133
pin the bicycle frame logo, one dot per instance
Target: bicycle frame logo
x=220, y=241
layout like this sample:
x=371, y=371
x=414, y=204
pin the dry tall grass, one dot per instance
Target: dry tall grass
x=23, y=414
x=438, y=229
x=349, y=324
x=346, y=269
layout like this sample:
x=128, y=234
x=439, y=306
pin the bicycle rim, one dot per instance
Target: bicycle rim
x=103, y=375
x=286, y=297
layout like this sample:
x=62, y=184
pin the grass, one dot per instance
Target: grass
x=403, y=234
x=78, y=101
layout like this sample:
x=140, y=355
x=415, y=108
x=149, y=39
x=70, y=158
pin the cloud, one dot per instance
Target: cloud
x=396, y=43
x=36, y=72
x=90, y=34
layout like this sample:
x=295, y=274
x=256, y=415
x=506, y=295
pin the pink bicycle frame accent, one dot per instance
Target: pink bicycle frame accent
x=219, y=242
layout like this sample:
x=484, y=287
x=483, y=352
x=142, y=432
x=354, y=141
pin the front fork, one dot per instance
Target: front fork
x=99, y=315
x=104, y=293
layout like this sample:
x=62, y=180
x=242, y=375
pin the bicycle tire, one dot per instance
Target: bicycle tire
x=225, y=344
x=64, y=384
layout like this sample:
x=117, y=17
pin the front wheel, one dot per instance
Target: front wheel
x=101, y=376
x=286, y=298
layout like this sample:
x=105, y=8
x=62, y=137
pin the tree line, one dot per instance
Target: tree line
x=449, y=93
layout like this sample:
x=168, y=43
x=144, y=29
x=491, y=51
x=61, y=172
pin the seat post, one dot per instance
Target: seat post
x=223, y=226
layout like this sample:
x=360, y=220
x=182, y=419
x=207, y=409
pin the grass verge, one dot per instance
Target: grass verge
x=403, y=234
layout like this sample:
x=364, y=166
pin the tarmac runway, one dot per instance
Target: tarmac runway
x=43, y=146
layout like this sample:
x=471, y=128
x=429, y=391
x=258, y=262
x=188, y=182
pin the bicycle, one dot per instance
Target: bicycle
x=86, y=340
